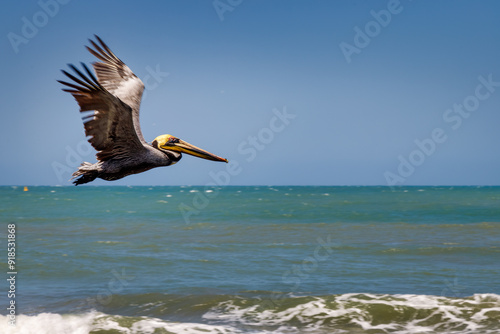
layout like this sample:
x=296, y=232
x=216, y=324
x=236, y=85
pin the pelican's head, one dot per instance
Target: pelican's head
x=171, y=143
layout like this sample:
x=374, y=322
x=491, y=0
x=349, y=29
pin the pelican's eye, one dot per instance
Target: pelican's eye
x=173, y=140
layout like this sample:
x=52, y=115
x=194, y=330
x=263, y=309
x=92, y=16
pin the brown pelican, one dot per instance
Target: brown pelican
x=113, y=126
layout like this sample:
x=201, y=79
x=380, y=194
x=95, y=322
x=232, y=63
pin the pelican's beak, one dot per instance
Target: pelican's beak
x=184, y=147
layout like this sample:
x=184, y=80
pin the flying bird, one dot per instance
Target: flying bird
x=112, y=127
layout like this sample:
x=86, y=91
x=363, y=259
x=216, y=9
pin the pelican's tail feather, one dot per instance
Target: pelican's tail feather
x=85, y=173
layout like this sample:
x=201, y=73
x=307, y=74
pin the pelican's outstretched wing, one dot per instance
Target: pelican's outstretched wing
x=118, y=79
x=111, y=127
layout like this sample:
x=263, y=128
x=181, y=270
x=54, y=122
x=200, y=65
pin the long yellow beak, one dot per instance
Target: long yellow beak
x=184, y=147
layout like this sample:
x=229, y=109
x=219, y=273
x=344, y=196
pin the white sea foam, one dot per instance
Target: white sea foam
x=51, y=323
x=428, y=314
x=112, y=242
x=48, y=323
x=332, y=314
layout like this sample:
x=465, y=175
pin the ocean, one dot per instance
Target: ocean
x=286, y=259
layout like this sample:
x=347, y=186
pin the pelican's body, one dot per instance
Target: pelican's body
x=113, y=128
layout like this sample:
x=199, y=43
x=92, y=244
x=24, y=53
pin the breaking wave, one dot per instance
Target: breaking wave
x=275, y=313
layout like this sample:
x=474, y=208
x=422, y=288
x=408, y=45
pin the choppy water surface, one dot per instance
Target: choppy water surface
x=255, y=259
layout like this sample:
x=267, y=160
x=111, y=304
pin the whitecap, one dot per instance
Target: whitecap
x=48, y=323
x=439, y=312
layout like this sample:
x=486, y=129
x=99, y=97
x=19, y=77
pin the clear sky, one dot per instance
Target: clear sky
x=292, y=92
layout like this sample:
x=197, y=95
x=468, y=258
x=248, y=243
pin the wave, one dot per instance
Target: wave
x=96, y=322
x=366, y=312
x=266, y=312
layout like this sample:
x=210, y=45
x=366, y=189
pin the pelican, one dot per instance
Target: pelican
x=112, y=127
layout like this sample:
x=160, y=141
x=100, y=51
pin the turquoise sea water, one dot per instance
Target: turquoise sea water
x=253, y=259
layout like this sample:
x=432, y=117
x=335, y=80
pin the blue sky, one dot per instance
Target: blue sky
x=292, y=92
